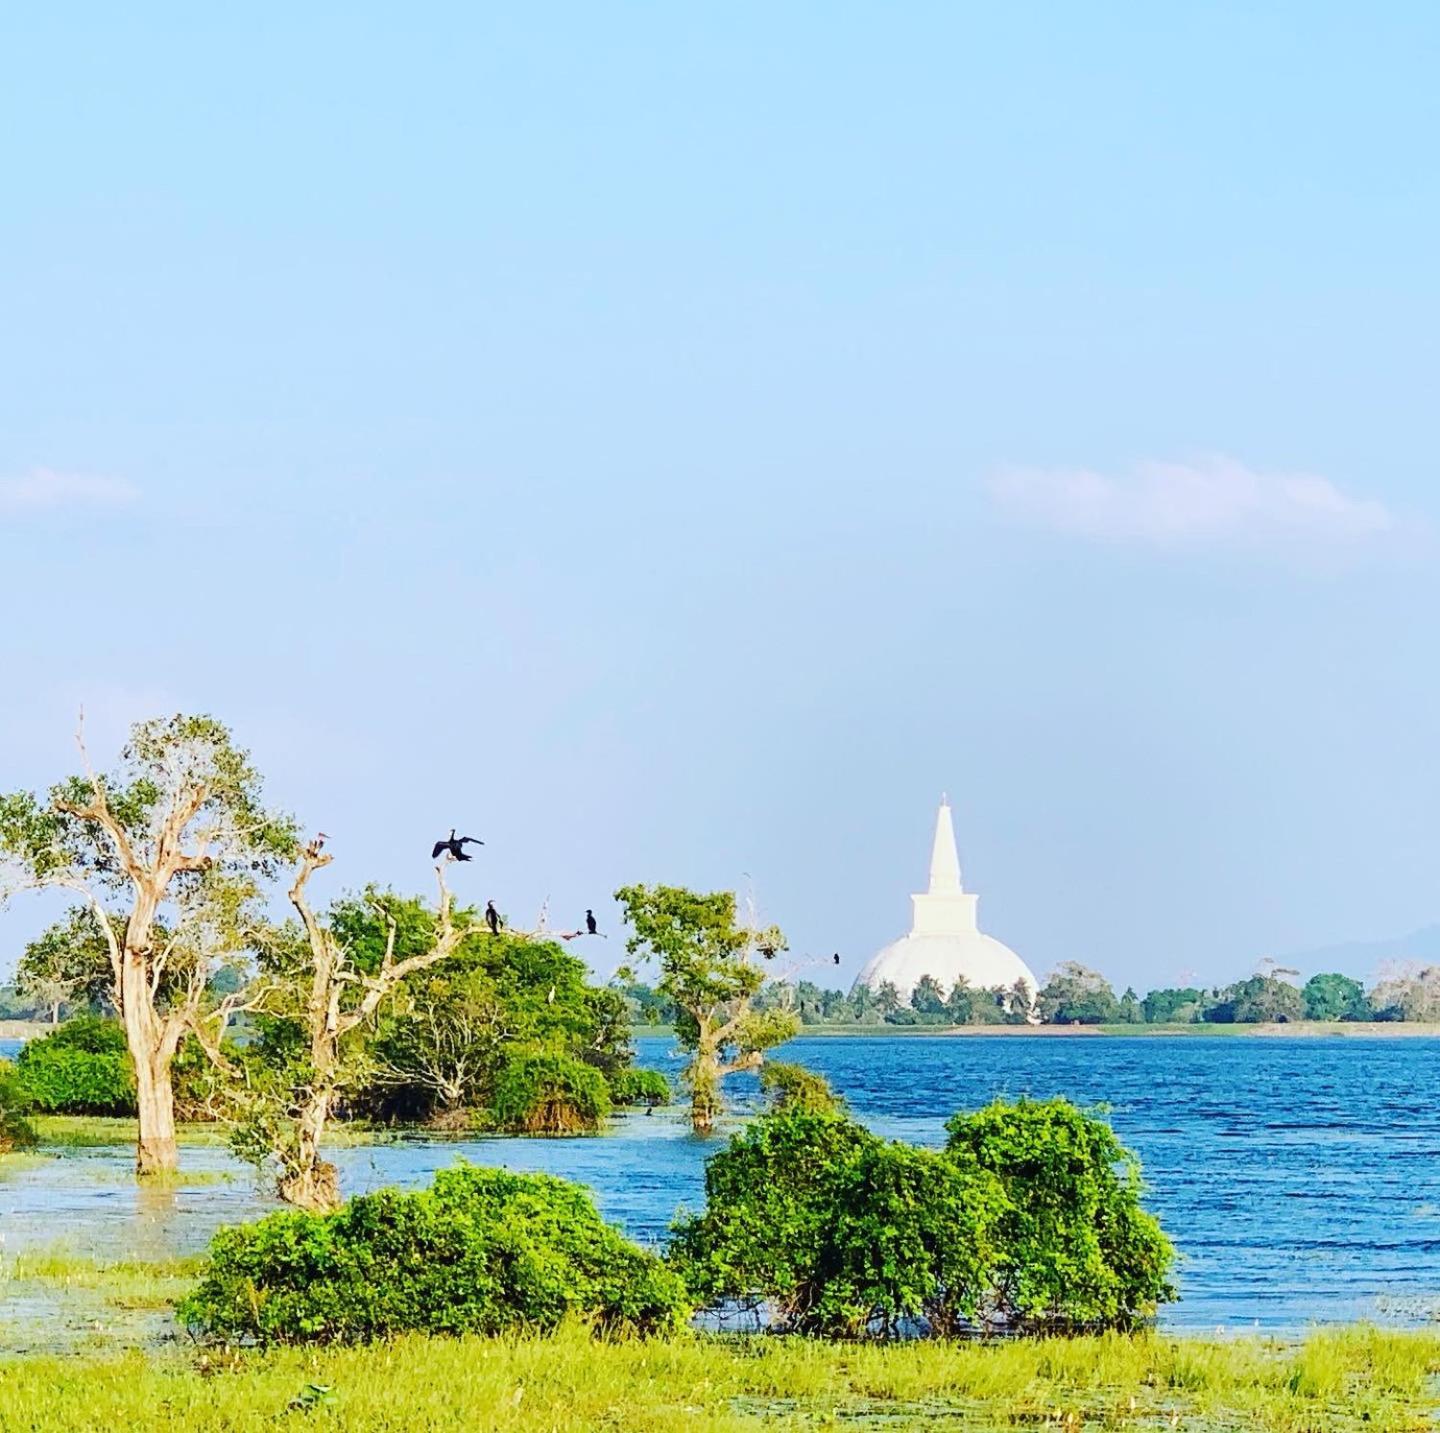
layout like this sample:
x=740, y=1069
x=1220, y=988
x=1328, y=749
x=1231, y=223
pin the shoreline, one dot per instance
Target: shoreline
x=1296, y=1030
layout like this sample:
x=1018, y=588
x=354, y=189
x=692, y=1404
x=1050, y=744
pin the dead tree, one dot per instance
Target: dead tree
x=338, y=999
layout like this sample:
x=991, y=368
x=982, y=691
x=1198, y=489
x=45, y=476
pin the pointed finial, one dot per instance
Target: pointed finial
x=944, y=859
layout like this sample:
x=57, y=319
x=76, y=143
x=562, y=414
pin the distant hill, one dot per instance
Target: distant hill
x=1363, y=958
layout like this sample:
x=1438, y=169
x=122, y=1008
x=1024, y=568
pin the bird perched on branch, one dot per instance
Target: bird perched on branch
x=317, y=844
x=455, y=846
x=837, y=957
x=590, y=927
x=492, y=916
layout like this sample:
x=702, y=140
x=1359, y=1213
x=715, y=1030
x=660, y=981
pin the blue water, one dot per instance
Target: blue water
x=1300, y=1178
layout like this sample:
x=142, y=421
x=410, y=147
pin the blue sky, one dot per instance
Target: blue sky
x=679, y=441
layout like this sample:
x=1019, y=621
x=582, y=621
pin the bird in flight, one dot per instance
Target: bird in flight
x=455, y=846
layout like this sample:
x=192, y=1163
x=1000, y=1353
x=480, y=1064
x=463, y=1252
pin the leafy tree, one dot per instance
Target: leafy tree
x=927, y=997
x=708, y=969
x=1262, y=999
x=444, y=1042
x=839, y=1231
x=1410, y=994
x=640, y=1087
x=1076, y=995
x=1001, y=1006
x=443, y=1038
x=325, y=982
x=960, y=1004
x=81, y=1068
x=481, y=1251
x=546, y=1092
x=16, y=1131
x=887, y=999
x=1182, y=1006
x=1075, y=1248
x=177, y=838
x=1334, y=997
x=1129, y=1012
x=794, y=1087
x=69, y=963
x=866, y=1005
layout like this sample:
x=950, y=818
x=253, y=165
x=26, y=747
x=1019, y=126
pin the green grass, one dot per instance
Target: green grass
x=128, y=1284
x=1358, y=1378
x=103, y=1131
x=97, y=1131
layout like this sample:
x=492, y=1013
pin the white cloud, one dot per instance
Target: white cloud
x=41, y=489
x=1212, y=502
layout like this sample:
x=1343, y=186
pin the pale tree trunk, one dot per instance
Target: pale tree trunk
x=308, y=1181
x=704, y=1078
x=152, y=1039
x=155, y=1149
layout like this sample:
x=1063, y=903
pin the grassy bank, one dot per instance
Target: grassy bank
x=101, y=1131
x=1339, y=1381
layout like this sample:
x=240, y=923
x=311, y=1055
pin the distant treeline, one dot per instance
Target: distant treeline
x=1076, y=995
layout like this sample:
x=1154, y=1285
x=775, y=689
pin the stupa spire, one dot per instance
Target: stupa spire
x=944, y=858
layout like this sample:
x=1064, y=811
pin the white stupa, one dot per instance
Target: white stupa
x=945, y=940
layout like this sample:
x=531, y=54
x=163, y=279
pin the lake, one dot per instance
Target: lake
x=1300, y=1178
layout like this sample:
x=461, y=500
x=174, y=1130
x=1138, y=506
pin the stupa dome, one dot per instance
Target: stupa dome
x=945, y=940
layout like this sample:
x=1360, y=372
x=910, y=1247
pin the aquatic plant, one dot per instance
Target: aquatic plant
x=1076, y=1247
x=548, y=1092
x=639, y=1087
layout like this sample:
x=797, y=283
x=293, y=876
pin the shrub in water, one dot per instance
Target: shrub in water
x=639, y=1087
x=793, y=1086
x=841, y=1232
x=1076, y=1248
x=480, y=1251
x=82, y=1068
x=545, y=1092
x=15, y=1131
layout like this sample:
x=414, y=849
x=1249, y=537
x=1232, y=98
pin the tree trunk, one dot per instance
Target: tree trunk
x=704, y=1078
x=309, y=1182
x=155, y=1149
x=152, y=1042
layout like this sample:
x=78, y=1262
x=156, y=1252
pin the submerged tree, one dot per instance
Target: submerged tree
x=334, y=972
x=168, y=854
x=708, y=968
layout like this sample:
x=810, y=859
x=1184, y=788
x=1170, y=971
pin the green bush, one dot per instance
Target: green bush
x=639, y=1087
x=843, y=1233
x=480, y=1251
x=1030, y=1220
x=81, y=1068
x=1076, y=1248
x=793, y=1086
x=545, y=1092
x=15, y=1130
